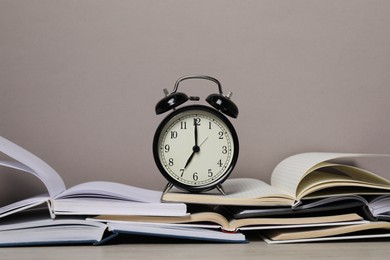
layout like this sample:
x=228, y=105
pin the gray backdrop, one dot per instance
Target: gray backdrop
x=79, y=80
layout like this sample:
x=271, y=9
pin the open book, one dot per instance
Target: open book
x=367, y=230
x=372, y=208
x=37, y=228
x=299, y=177
x=91, y=198
x=217, y=220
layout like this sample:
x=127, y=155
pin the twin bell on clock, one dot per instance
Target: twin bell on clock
x=196, y=147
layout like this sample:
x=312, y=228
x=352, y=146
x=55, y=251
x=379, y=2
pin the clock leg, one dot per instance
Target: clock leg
x=168, y=187
x=219, y=187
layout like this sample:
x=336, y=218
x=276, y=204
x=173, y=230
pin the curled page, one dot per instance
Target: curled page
x=288, y=174
x=28, y=162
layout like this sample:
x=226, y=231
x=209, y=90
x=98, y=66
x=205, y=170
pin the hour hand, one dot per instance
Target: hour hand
x=195, y=149
x=189, y=160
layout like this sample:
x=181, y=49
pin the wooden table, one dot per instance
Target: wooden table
x=176, y=250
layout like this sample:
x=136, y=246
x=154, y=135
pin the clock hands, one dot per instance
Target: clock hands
x=196, y=133
x=196, y=147
x=203, y=141
x=195, y=150
x=191, y=156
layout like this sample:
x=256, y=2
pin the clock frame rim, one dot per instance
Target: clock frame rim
x=186, y=187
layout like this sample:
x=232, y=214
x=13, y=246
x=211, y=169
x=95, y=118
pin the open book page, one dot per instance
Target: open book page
x=293, y=234
x=23, y=205
x=345, y=237
x=180, y=232
x=289, y=172
x=167, y=221
x=275, y=221
x=157, y=226
x=111, y=190
x=41, y=219
x=200, y=217
x=325, y=178
x=380, y=206
x=325, y=206
x=97, y=197
x=241, y=191
x=30, y=163
x=95, y=206
x=237, y=224
x=40, y=229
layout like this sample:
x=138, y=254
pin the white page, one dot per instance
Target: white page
x=93, y=206
x=30, y=163
x=36, y=221
x=237, y=188
x=53, y=231
x=240, y=191
x=289, y=172
x=110, y=198
x=175, y=231
x=23, y=205
x=111, y=190
x=380, y=206
x=185, y=225
x=249, y=188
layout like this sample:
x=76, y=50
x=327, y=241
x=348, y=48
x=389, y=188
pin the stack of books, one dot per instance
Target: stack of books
x=66, y=216
x=312, y=197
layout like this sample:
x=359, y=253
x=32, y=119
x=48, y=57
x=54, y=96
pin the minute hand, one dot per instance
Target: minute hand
x=195, y=148
x=196, y=132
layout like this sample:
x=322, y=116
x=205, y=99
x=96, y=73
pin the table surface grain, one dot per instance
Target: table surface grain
x=256, y=249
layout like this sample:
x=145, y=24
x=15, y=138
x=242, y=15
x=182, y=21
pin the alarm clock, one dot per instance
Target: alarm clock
x=195, y=147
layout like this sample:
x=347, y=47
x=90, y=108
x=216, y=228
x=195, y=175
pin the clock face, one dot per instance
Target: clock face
x=195, y=148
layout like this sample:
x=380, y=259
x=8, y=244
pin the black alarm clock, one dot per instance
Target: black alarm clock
x=196, y=147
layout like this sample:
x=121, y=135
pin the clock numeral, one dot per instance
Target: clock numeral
x=182, y=172
x=210, y=125
x=195, y=176
x=183, y=125
x=167, y=148
x=173, y=134
x=197, y=121
x=224, y=149
x=210, y=173
x=220, y=135
x=170, y=162
x=219, y=163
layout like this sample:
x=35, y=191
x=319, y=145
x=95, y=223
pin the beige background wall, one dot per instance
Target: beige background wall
x=79, y=80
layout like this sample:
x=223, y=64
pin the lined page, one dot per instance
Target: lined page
x=241, y=191
x=250, y=188
x=288, y=173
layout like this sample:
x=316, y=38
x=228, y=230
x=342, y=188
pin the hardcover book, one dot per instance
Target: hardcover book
x=91, y=198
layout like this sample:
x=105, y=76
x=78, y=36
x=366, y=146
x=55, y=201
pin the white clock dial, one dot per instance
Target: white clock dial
x=196, y=147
